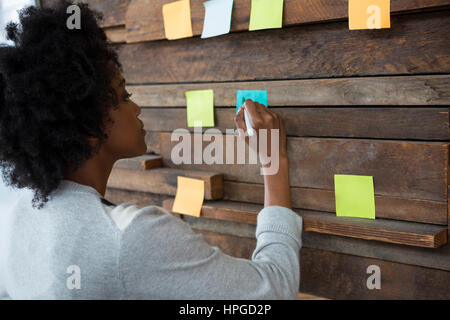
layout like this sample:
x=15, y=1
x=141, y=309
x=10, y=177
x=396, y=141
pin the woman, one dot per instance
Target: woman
x=65, y=119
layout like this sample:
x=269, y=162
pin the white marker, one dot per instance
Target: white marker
x=248, y=124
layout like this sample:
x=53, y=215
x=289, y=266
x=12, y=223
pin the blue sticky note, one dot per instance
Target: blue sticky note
x=217, y=18
x=259, y=96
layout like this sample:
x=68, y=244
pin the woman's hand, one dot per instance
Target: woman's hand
x=262, y=118
x=276, y=186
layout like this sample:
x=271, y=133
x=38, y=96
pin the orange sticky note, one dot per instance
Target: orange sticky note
x=177, y=19
x=369, y=14
x=189, y=197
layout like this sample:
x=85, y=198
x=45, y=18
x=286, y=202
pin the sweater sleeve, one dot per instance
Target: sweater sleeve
x=3, y=238
x=162, y=258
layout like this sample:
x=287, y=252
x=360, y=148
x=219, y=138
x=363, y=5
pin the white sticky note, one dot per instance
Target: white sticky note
x=217, y=18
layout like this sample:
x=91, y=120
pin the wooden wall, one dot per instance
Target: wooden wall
x=369, y=102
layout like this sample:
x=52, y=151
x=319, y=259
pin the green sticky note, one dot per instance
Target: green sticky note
x=354, y=196
x=266, y=14
x=200, y=108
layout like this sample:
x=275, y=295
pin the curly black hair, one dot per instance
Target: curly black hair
x=55, y=93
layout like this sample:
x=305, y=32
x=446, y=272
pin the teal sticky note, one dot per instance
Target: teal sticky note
x=200, y=108
x=217, y=18
x=266, y=14
x=259, y=96
x=354, y=196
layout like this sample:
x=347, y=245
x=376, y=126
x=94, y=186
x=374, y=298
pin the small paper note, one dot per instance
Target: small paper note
x=189, y=197
x=266, y=14
x=369, y=14
x=259, y=96
x=354, y=196
x=200, y=108
x=177, y=19
x=217, y=18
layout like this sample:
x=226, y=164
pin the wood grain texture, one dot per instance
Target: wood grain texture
x=405, y=233
x=152, y=139
x=163, y=180
x=380, y=123
x=139, y=198
x=113, y=11
x=225, y=210
x=416, y=44
x=438, y=258
x=414, y=210
x=115, y=34
x=362, y=91
x=145, y=162
x=416, y=170
x=343, y=276
x=144, y=19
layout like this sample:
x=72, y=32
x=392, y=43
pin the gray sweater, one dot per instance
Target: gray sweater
x=74, y=249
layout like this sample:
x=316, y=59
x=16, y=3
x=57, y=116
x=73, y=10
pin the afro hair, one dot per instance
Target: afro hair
x=55, y=94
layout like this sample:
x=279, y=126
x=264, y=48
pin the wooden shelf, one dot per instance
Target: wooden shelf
x=400, y=232
x=163, y=180
x=145, y=162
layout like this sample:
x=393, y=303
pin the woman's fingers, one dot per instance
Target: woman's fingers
x=254, y=113
x=239, y=119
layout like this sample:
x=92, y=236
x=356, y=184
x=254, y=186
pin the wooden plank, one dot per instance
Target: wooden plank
x=145, y=162
x=152, y=140
x=225, y=210
x=144, y=19
x=416, y=44
x=361, y=91
x=113, y=10
x=405, y=233
x=414, y=170
x=115, y=34
x=438, y=258
x=342, y=276
x=306, y=296
x=414, y=210
x=384, y=123
x=139, y=198
x=163, y=180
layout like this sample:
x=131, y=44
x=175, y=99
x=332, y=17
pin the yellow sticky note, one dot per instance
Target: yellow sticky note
x=354, y=196
x=369, y=14
x=266, y=14
x=177, y=19
x=200, y=108
x=189, y=197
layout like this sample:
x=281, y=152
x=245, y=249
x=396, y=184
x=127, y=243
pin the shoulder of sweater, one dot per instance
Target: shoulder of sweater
x=124, y=213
